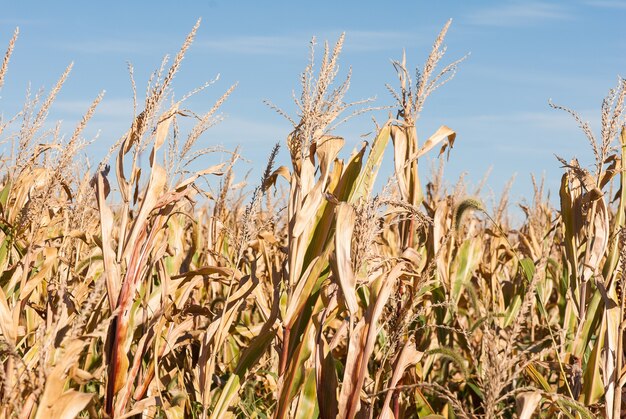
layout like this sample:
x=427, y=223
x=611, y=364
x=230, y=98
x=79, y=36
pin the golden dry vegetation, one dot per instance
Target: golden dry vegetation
x=130, y=290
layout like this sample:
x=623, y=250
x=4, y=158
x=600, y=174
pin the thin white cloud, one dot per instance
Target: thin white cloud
x=367, y=41
x=253, y=44
x=20, y=21
x=607, y=4
x=235, y=130
x=107, y=46
x=356, y=41
x=549, y=120
x=505, y=73
x=529, y=132
x=117, y=113
x=519, y=14
x=109, y=108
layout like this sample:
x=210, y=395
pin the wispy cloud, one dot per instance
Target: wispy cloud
x=109, y=108
x=253, y=44
x=356, y=41
x=283, y=44
x=529, y=132
x=235, y=130
x=519, y=14
x=549, y=120
x=509, y=74
x=607, y=4
x=107, y=46
x=368, y=41
x=8, y=21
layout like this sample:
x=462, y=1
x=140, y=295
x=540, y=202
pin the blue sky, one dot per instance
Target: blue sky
x=522, y=54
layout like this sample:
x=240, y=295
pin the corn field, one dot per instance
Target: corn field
x=131, y=289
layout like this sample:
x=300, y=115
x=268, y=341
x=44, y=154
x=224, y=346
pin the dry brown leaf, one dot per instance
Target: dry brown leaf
x=526, y=403
x=599, y=239
x=346, y=218
x=310, y=207
x=443, y=133
x=408, y=356
x=281, y=171
x=327, y=149
x=111, y=267
x=400, y=157
x=9, y=329
x=362, y=341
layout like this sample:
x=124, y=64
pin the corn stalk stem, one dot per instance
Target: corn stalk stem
x=617, y=399
x=285, y=351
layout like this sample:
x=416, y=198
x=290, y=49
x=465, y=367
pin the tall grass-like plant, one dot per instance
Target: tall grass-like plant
x=128, y=289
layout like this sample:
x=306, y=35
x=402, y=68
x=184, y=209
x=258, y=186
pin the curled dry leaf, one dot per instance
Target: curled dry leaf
x=526, y=403
x=408, y=356
x=346, y=218
x=599, y=239
x=361, y=345
x=443, y=133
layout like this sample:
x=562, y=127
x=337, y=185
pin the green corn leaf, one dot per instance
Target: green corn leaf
x=307, y=402
x=465, y=262
x=365, y=181
x=512, y=310
x=593, y=387
x=250, y=357
x=4, y=194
